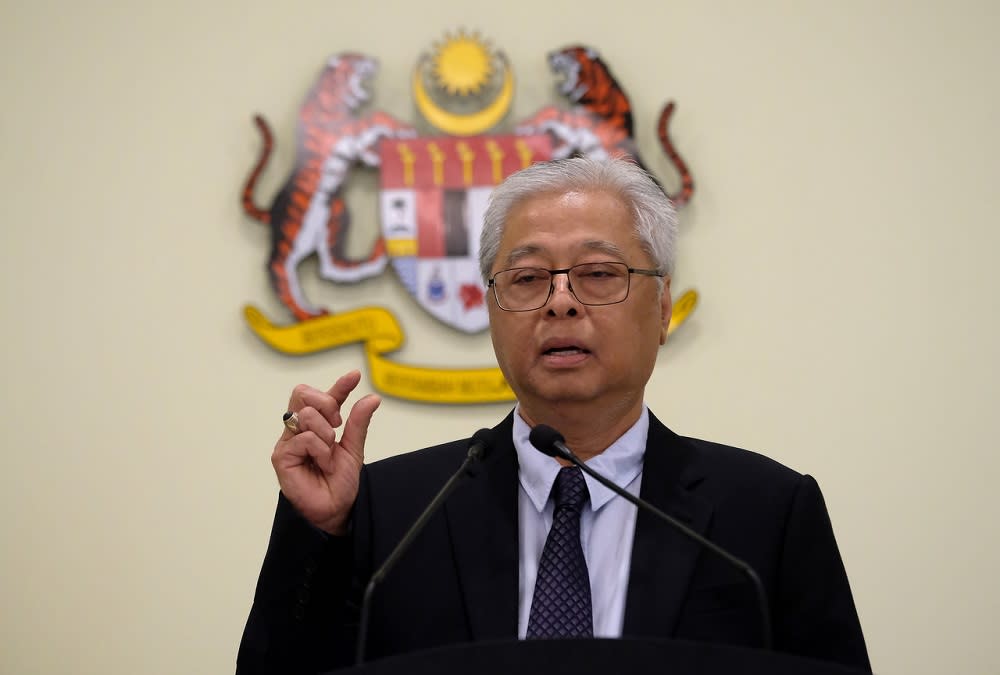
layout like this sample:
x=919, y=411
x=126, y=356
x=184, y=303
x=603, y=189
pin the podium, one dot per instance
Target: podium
x=596, y=657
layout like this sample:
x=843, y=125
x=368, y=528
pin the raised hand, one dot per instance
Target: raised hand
x=318, y=473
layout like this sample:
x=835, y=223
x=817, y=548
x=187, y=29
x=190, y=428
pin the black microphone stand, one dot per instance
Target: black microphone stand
x=478, y=449
x=552, y=443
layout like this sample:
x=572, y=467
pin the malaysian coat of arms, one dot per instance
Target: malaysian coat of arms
x=433, y=191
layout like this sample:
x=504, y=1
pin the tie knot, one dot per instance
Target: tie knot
x=570, y=490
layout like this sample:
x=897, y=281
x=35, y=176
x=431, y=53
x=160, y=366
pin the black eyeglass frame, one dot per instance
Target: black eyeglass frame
x=569, y=284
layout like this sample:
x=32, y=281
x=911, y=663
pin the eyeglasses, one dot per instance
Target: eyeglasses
x=523, y=289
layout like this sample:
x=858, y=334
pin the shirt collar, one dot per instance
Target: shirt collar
x=621, y=462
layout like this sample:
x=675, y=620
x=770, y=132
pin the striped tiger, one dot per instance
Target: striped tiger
x=308, y=215
x=600, y=122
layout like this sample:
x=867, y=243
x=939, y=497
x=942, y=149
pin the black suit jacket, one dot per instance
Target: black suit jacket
x=459, y=581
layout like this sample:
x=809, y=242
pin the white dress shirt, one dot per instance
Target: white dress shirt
x=607, y=523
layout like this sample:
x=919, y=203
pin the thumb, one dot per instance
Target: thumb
x=356, y=428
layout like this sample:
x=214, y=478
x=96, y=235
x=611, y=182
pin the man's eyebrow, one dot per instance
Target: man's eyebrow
x=605, y=247
x=598, y=245
x=521, y=252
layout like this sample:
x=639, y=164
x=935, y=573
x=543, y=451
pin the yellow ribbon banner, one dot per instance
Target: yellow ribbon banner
x=378, y=329
x=381, y=334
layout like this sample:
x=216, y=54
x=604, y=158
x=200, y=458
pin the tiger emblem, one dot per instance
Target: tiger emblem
x=308, y=215
x=599, y=123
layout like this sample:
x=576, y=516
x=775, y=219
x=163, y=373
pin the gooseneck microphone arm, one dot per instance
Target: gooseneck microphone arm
x=477, y=451
x=552, y=443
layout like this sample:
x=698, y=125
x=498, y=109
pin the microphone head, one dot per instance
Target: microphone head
x=544, y=438
x=482, y=443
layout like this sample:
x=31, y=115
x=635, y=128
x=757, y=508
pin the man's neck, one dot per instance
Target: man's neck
x=589, y=429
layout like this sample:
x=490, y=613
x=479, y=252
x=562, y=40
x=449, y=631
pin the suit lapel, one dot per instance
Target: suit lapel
x=482, y=519
x=663, y=559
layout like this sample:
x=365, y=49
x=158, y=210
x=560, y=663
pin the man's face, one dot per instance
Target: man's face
x=567, y=352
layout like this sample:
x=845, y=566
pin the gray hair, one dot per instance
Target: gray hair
x=654, y=215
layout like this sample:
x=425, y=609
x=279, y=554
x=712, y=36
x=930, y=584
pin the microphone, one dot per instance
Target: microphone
x=478, y=450
x=552, y=443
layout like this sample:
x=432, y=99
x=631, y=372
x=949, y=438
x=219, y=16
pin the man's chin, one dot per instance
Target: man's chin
x=556, y=391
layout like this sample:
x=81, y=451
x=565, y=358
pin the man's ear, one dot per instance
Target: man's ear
x=666, y=310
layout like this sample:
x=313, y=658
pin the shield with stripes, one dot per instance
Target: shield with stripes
x=433, y=192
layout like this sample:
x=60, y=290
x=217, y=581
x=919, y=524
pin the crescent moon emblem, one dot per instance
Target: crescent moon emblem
x=464, y=125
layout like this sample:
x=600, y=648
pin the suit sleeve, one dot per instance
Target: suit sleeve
x=815, y=614
x=304, y=613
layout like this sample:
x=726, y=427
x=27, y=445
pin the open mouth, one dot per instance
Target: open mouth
x=565, y=351
x=358, y=87
x=565, y=73
x=365, y=71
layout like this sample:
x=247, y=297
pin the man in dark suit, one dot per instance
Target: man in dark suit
x=578, y=255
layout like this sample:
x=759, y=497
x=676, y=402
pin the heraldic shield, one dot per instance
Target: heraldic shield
x=433, y=192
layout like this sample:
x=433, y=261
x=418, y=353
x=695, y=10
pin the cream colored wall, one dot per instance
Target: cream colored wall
x=842, y=238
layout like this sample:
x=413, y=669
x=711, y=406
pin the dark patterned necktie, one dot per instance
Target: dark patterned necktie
x=560, y=607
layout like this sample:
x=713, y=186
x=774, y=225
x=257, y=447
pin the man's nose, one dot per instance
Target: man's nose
x=563, y=299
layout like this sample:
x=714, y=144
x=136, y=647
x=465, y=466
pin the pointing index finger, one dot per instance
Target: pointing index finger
x=344, y=385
